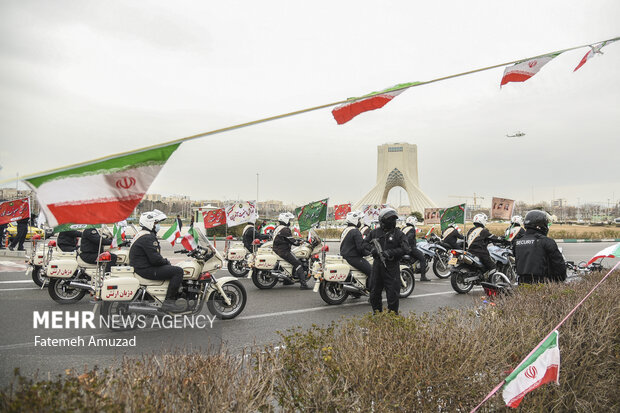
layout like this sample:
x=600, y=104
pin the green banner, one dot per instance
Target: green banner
x=452, y=215
x=311, y=214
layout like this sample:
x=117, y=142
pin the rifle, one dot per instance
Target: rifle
x=375, y=243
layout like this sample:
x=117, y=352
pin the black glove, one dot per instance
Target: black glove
x=387, y=255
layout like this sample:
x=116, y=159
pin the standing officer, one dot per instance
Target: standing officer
x=352, y=247
x=20, y=237
x=537, y=256
x=415, y=253
x=2, y=231
x=282, y=241
x=385, y=267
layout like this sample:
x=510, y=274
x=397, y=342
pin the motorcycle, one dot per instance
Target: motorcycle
x=466, y=270
x=268, y=268
x=36, y=263
x=441, y=255
x=335, y=280
x=238, y=258
x=124, y=294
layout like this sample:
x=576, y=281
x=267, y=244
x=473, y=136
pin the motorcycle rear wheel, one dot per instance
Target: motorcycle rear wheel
x=440, y=265
x=116, y=308
x=60, y=291
x=332, y=293
x=238, y=298
x=37, y=275
x=461, y=287
x=263, y=280
x=237, y=268
x=407, y=289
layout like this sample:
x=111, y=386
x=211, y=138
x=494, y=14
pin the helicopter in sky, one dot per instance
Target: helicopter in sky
x=517, y=134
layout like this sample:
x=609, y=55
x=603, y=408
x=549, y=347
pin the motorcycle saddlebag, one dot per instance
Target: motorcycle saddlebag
x=236, y=254
x=120, y=287
x=265, y=262
x=336, y=272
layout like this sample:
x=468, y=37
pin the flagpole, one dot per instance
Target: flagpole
x=299, y=112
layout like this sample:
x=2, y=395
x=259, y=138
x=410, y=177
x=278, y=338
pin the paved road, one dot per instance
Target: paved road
x=267, y=312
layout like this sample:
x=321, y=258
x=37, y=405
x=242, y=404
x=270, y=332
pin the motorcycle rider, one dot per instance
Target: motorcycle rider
x=364, y=229
x=145, y=257
x=477, y=240
x=352, y=247
x=537, y=256
x=250, y=233
x=451, y=235
x=515, y=230
x=393, y=245
x=91, y=246
x=67, y=240
x=416, y=254
x=282, y=241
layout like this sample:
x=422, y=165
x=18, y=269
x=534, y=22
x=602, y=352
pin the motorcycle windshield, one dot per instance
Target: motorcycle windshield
x=314, y=237
x=202, y=240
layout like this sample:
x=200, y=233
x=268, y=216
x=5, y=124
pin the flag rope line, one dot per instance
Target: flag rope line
x=546, y=337
x=294, y=113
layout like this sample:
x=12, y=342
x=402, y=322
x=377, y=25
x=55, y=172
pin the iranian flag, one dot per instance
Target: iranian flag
x=522, y=71
x=99, y=191
x=117, y=235
x=612, y=251
x=371, y=101
x=173, y=233
x=189, y=241
x=543, y=366
x=430, y=231
x=592, y=52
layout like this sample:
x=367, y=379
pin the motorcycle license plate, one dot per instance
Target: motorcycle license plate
x=452, y=261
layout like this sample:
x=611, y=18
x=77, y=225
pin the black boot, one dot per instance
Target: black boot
x=169, y=304
x=302, y=279
x=423, y=276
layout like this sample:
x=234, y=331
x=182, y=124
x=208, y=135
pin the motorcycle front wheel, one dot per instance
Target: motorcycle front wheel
x=37, y=275
x=440, y=265
x=407, y=276
x=236, y=294
x=62, y=293
x=118, y=317
x=332, y=293
x=460, y=286
x=238, y=268
x=263, y=279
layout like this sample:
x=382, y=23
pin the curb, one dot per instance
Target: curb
x=9, y=253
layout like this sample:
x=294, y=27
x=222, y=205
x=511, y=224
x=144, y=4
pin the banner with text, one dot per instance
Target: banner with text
x=452, y=215
x=240, y=213
x=11, y=211
x=371, y=213
x=214, y=218
x=501, y=208
x=431, y=215
x=311, y=214
x=341, y=211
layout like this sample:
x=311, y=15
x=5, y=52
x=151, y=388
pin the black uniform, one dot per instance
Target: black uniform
x=282, y=247
x=451, y=236
x=249, y=235
x=415, y=252
x=90, y=247
x=2, y=230
x=365, y=230
x=20, y=237
x=394, y=245
x=477, y=245
x=67, y=240
x=538, y=258
x=145, y=257
x=353, y=250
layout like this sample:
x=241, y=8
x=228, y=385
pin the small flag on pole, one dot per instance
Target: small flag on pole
x=117, y=236
x=541, y=367
x=173, y=233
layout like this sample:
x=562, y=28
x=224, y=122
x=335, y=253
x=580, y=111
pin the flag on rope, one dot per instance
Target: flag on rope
x=189, y=240
x=117, y=235
x=541, y=367
x=101, y=191
x=452, y=215
x=173, y=233
x=522, y=71
x=311, y=214
x=341, y=211
x=371, y=101
x=612, y=251
x=592, y=52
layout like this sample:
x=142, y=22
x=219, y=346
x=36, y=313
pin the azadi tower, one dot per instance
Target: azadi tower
x=397, y=165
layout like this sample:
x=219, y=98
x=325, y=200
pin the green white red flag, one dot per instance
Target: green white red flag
x=595, y=49
x=100, y=191
x=117, y=235
x=612, y=251
x=371, y=101
x=541, y=367
x=522, y=71
x=173, y=233
x=189, y=241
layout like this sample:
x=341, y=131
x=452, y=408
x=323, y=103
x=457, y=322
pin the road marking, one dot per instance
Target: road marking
x=326, y=307
x=18, y=289
x=15, y=282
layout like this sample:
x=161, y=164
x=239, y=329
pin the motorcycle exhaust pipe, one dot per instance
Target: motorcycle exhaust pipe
x=81, y=286
x=351, y=288
x=140, y=309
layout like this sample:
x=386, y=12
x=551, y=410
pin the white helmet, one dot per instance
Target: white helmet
x=411, y=220
x=517, y=220
x=480, y=219
x=354, y=217
x=254, y=219
x=285, y=218
x=149, y=219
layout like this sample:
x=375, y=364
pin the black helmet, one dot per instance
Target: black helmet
x=537, y=219
x=387, y=218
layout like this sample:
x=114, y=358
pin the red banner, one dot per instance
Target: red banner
x=11, y=211
x=341, y=211
x=214, y=218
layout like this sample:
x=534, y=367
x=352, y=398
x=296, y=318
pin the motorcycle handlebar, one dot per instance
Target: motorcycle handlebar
x=181, y=252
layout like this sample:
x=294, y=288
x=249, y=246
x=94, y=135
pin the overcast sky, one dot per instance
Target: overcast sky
x=83, y=79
